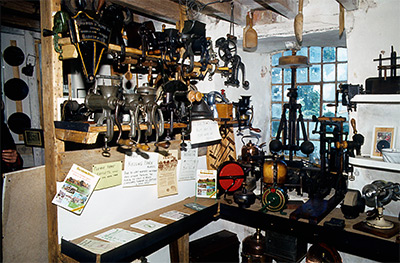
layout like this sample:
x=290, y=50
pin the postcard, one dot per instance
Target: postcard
x=76, y=189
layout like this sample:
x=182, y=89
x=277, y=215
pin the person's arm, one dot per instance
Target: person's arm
x=9, y=155
x=12, y=159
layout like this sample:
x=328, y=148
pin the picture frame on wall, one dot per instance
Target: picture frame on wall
x=34, y=138
x=383, y=137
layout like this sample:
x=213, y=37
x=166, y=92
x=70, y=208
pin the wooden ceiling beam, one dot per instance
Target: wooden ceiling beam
x=27, y=7
x=287, y=8
x=263, y=17
x=20, y=22
x=167, y=11
x=223, y=11
x=349, y=5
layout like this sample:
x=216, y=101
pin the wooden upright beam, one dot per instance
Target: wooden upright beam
x=287, y=8
x=52, y=85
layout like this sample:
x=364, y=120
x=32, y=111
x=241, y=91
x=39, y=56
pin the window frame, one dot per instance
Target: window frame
x=323, y=103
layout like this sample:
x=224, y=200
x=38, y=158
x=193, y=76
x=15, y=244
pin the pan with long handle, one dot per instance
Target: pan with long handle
x=250, y=38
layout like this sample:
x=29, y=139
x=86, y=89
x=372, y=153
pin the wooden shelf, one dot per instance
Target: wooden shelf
x=87, y=133
x=376, y=98
x=377, y=164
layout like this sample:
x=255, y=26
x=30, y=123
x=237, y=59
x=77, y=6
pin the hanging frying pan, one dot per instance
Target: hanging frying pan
x=16, y=89
x=230, y=176
x=13, y=56
x=18, y=122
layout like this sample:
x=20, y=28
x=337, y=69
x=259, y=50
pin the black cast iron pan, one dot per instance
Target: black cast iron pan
x=14, y=56
x=16, y=89
x=18, y=122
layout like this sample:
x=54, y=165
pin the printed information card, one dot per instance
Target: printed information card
x=76, y=189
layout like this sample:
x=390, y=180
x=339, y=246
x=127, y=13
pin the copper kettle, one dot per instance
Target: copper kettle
x=250, y=149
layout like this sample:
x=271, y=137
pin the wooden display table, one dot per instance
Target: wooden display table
x=150, y=242
x=176, y=233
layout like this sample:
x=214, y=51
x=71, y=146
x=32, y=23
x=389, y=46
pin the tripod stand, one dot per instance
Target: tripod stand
x=290, y=128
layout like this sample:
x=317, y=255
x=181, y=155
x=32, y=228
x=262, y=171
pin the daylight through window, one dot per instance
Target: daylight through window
x=316, y=85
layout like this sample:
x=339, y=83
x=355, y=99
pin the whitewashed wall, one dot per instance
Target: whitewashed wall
x=32, y=156
x=372, y=31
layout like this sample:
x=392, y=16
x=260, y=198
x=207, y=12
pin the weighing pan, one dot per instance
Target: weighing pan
x=16, y=89
x=18, y=122
x=13, y=56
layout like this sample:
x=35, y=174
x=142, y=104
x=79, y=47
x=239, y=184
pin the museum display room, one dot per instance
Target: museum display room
x=200, y=131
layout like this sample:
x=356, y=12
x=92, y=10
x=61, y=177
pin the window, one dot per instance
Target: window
x=316, y=85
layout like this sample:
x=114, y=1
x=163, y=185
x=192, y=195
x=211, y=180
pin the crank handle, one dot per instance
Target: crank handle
x=143, y=147
x=255, y=129
x=164, y=145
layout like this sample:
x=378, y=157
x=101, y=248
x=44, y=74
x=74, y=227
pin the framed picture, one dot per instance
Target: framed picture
x=34, y=138
x=383, y=137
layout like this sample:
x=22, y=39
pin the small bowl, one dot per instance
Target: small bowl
x=391, y=155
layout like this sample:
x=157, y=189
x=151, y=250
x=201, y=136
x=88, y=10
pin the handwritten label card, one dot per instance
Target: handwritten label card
x=204, y=131
x=110, y=174
x=140, y=171
x=189, y=161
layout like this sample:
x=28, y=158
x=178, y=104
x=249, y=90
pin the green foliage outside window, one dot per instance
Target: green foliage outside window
x=316, y=85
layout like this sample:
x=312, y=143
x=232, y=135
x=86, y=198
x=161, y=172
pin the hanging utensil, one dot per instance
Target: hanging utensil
x=18, y=122
x=128, y=74
x=250, y=38
x=298, y=24
x=16, y=89
x=14, y=56
x=245, y=30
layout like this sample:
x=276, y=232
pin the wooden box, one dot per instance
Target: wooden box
x=225, y=110
x=286, y=248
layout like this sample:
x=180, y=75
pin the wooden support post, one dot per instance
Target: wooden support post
x=52, y=87
x=179, y=250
